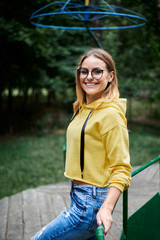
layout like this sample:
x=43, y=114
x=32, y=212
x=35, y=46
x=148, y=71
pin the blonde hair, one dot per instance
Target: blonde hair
x=111, y=92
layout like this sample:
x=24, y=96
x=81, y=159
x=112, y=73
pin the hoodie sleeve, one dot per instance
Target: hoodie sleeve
x=117, y=149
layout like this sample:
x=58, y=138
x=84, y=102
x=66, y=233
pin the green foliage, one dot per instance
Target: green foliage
x=33, y=161
x=51, y=121
x=37, y=58
x=137, y=52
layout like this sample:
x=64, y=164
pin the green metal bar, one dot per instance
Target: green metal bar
x=125, y=195
x=64, y=152
x=100, y=232
x=93, y=36
x=125, y=213
x=145, y=166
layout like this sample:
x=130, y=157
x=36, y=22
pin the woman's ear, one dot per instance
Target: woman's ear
x=111, y=76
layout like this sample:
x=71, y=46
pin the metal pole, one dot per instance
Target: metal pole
x=125, y=212
x=93, y=36
x=159, y=176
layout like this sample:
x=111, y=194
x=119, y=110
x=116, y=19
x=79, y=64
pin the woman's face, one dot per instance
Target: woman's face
x=94, y=78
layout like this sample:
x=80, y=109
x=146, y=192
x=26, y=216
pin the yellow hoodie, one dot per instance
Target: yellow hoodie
x=106, y=145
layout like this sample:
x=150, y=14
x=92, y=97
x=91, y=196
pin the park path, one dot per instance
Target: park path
x=23, y=214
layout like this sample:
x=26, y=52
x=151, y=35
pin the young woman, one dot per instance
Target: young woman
x=97, y=159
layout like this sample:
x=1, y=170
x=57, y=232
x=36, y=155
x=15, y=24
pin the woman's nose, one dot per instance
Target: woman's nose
x=89, y=75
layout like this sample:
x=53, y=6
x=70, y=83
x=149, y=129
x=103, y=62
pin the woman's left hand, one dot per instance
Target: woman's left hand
x=104, y=216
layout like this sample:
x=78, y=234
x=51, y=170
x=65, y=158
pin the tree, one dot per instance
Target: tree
x=35, y=57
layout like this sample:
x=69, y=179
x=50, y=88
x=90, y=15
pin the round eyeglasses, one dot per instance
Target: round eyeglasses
x=96, y=73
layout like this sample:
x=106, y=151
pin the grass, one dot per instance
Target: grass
x=33, y=161
x=144, y=146
x=29, y=162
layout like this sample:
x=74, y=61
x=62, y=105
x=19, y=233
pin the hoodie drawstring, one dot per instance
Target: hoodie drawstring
x=82, y=144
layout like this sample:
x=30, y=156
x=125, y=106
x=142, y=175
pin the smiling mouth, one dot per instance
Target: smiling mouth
x=90, y=84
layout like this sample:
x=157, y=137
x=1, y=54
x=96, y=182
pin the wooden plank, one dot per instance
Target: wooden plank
x=56, y=188
x=40, y=206
x=114, y=233
x=58, y=204
x=15, y=224
x=3, y=217
x=66, y=198
x=31, y=213
x=149, y=174
x=153, y=173
x=46, y=207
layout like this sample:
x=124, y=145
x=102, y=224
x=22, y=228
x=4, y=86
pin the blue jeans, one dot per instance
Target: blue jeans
x=79, y=222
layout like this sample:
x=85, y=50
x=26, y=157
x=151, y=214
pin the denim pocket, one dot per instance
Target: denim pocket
x=78, y=201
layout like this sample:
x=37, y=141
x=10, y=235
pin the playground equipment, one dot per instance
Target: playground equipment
x=100, y=232
x=144, y=223
x=84, y=13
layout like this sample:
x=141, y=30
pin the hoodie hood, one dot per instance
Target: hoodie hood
x=119, y=104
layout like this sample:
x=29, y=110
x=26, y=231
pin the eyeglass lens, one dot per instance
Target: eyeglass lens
x=96, y=73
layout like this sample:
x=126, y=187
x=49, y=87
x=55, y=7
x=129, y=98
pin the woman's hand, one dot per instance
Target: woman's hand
x=104, y=216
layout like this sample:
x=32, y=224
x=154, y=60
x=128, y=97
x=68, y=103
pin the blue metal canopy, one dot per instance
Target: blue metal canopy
x=83, y=11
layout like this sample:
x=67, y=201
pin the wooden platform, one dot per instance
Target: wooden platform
x=23, y=214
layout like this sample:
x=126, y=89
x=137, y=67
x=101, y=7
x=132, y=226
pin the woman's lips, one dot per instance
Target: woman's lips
x=90, y=84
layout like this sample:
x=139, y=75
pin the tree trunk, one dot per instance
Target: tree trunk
x=1, y=98
x=129, y=109
x=36, y=94
x=25, y=98
x=151, y=110
x=10, y=98
x=51, y=95
x=158, y=11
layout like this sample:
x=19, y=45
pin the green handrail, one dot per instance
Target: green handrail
x=145, y=166
x=100, y=232
x=125, y=195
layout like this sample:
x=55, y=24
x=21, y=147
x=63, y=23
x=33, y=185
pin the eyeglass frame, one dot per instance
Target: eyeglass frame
x=91, y=73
